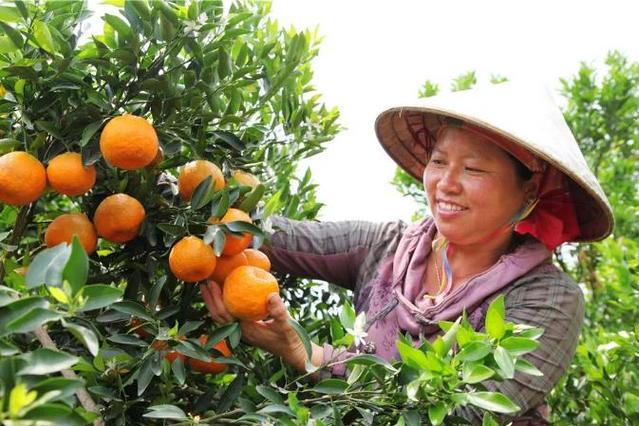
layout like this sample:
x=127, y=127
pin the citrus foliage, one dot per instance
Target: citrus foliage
x=115, y=336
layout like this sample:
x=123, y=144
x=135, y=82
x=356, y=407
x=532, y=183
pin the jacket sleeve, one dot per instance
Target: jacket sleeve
x=552, y=301
x=329, y=251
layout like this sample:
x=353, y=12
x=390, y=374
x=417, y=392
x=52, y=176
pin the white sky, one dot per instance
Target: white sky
x=378, y=53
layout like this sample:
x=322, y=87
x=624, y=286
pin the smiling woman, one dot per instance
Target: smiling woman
x=507, y=184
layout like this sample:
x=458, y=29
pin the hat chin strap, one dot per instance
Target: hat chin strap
x=442, y=245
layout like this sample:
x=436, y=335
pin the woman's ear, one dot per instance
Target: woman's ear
x=531, y=186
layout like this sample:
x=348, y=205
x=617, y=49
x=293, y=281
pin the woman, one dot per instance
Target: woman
x=506, y=184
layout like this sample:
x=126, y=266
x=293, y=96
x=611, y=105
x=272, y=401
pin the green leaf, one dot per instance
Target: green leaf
x=347, y=316
x=450, y=336
x=496, y=318
x=89, y=131
x=269, y=394
x=331, y=387
x=519, y=345
x=254, y=197
x=98, y=296
x=505, y=362
x=229, y=138
x=492, y=401
x=46, y=361
x=9, y=14
x=437, y=413
x=43, y=37
x=14, y=35
x=66, y=387
x=412, y=357
x=488, y=420
x=202, y=194
x=47, y=266
x=532, y=333
x=232, y=393
x=133, y=308
x=145, y=374
x=85, y=335
x=473, y=351
x=369, y=360
x=76, y=270
x=19, y=308
x=32, y=320
x=118, y=25
x=6, y=46
x=127, y=339
x=178, y=369
x=475, y=373
x=303, y=335
x=166, y=411
x=174, y=230
x=527, y=368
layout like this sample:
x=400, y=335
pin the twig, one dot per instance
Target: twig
x=83, y=396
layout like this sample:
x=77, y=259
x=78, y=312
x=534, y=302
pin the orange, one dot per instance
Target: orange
x=234, y=244
x=160, y=345
x=137, y=326
x=211, y=366
x=67, y=175
x=159, y=157
x=225, y=265
x=22, y=178
x=193, y=173
x=118, y=218
x=65, y=226
x=257, y=258
x=245, y=292
x=191, y=259
x=245, y=179
x=129, y=142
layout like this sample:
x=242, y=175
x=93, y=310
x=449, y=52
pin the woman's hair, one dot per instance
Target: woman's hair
x=523, y=172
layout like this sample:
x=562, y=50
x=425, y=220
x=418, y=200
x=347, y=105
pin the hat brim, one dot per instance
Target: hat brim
x=393, y=132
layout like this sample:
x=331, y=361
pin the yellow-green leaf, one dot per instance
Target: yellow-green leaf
x=43, y=36
x=19, y=398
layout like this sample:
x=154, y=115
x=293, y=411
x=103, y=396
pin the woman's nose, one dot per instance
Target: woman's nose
x=449, y=181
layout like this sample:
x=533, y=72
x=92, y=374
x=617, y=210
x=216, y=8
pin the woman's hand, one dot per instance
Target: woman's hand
x=275, y=335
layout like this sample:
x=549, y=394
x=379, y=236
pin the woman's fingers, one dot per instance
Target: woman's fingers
x=212, y=295
x=276, y=308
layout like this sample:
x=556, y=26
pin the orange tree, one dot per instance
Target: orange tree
x=121, y=335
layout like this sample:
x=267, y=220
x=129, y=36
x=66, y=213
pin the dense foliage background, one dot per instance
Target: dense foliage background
x=230, y=85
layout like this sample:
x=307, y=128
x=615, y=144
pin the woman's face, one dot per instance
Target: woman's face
x=472, y=187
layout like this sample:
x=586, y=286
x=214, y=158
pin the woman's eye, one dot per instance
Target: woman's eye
x=437, y=161
x=474, y=170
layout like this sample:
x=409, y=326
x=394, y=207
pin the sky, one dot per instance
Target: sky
x=377, y=54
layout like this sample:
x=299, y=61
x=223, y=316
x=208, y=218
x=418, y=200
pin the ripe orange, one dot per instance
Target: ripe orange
x=246, y=179
x=257, y=258
x=211, y=366
x=67, y=175
x=193, y=173
x=22, y=178
x=191, y=259
x=129, y=142
x=226, y=264
x=234, y=244
x=160, y=345
x=118, y=218
x=65, y=226
x=159, y=157
x=245, y=292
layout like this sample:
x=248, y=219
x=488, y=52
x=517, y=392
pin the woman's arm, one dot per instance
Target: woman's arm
x=329, y=251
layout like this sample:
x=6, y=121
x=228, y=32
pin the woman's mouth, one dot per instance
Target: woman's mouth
x=448, y=207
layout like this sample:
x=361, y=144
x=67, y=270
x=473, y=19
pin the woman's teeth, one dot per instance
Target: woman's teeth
x=449, y=207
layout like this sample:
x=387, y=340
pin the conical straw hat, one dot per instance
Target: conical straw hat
x=527, y=116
